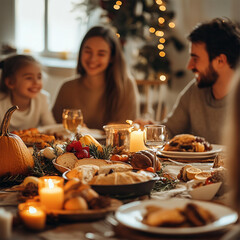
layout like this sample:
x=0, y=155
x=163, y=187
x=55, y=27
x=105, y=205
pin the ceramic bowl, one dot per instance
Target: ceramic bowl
x=205, y=192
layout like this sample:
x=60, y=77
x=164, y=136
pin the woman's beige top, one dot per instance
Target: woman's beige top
x=92, y=102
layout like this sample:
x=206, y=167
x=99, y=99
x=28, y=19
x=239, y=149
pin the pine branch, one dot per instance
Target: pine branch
x=104, y=154
x=165, y=182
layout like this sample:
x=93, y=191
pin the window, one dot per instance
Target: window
x=49, y=26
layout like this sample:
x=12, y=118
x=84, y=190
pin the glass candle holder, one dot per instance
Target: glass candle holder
x=33, y=215
x=51, y=192
x=118, y=135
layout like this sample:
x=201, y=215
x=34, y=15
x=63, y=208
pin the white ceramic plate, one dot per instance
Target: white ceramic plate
x=58, y=128
x=131, y=215
x=215, y=149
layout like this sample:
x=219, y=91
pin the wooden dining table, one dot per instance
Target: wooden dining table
x=109, y=227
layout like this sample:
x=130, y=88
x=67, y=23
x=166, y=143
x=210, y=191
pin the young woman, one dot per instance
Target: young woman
x=103, y=90
x=21, y=85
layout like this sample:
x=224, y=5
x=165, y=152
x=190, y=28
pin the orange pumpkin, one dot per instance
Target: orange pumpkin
x=15, y=158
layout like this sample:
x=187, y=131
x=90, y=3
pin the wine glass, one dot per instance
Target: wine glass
x=72, y=120
x=155, y=137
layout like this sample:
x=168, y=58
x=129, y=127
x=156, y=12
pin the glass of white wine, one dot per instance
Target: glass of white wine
x=155, y=137
x=72, y=120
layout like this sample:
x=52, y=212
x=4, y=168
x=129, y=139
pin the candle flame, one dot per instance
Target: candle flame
x=32, y=210
x=130, y=122
x=50, y=183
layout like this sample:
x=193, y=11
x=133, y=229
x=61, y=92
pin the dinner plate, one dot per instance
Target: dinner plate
x=175, y=154
x=85, y=215
x=125, y=190
x=58, y=128
x=131, y=215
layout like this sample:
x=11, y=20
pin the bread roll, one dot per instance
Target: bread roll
x=77, y=203
x=120, y=178
x=85, y=172
x=105, y=166
x=67, y=160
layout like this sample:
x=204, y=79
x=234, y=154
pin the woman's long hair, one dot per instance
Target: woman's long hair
x=116, y=73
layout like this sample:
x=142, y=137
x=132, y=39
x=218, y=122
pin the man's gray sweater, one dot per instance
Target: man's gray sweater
x=197, y=112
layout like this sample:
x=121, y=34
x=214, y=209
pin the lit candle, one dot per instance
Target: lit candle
x=51, y=192
x=136, y=141
x=5, y=224
x=32, y=215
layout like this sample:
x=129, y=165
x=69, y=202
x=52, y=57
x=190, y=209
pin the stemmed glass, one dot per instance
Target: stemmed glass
x=72, y=120
x=155, y=137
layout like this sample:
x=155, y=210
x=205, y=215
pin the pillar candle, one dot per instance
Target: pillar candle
x=51, y=194
x=5, y=224
x=136, y=141
x=33, y=217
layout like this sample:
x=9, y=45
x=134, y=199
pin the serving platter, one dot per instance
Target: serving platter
x=131, y=215
x=126, y=190
x=194, y=155
x=85, y=215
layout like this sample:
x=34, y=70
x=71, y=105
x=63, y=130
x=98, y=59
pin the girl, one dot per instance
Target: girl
x=103, y=91
x=21, y=84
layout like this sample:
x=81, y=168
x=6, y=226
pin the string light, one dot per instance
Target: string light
x=159, y=33
x=162, y=40
x=162, y=8
x=171, y=25
x=152, y=30
x=161, y=20
x=162, y=78
x=159, y=2
x=116, y=7
x=119, y=3
x=162, y=54
x=160, y=46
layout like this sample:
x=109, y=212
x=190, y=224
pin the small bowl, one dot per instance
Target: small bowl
x=205, y=192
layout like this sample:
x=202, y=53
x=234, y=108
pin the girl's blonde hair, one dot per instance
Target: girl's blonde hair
x=10, y=66
x=116, y=73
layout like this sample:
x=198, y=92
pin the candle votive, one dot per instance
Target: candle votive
x=5, y=224
x=33, y=215
x=136, y=141
x=51, y=192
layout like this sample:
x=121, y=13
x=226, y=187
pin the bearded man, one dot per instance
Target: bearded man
x=200, y=108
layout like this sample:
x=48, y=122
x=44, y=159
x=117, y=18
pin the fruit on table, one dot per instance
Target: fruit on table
x=87, y=140
x=192, y=171
x=15, y=158
x=77, y=148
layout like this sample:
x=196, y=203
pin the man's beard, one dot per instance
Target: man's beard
x=207, y=79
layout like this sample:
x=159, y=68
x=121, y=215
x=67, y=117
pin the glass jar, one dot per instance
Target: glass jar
x=118, y=135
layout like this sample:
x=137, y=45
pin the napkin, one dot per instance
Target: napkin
x=72, y=232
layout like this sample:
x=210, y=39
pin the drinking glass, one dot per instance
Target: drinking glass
x=155, y=137
x=72, y=120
